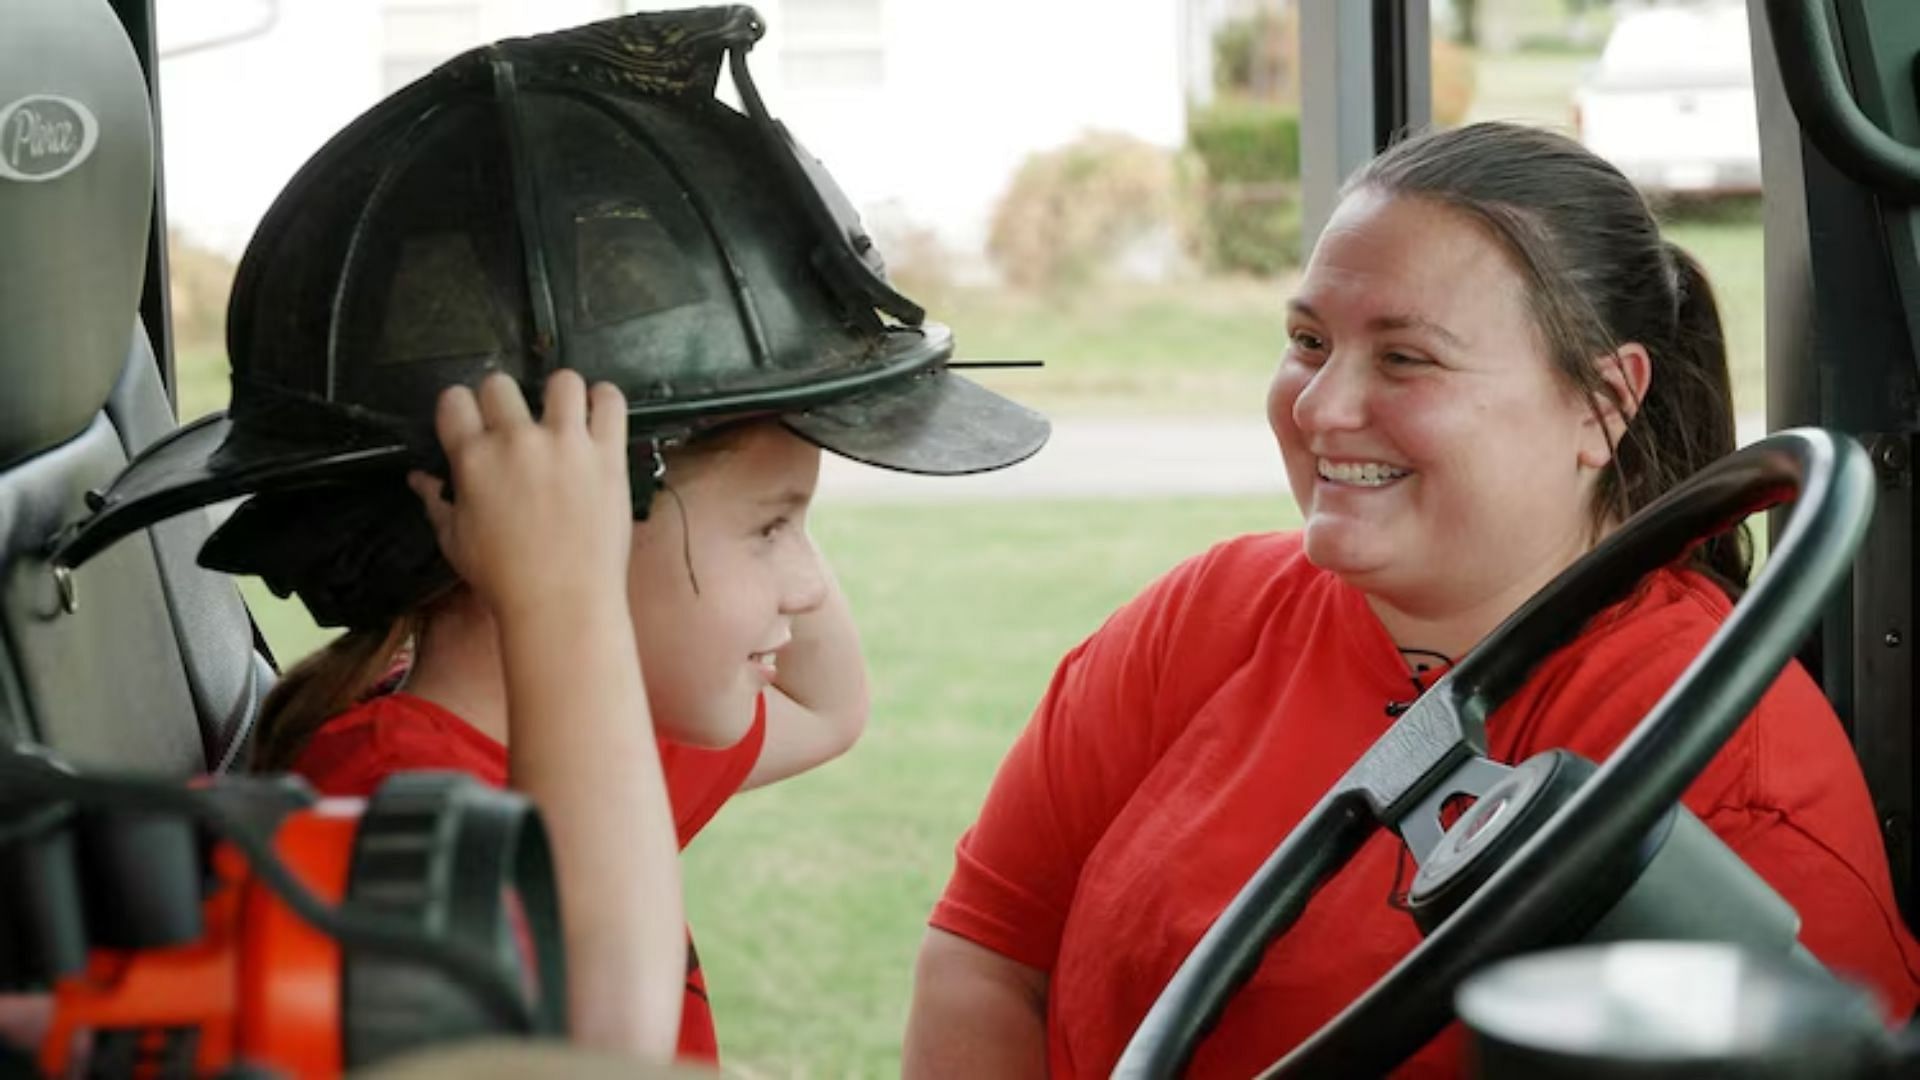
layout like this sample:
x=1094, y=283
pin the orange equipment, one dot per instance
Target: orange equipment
x=245, y=923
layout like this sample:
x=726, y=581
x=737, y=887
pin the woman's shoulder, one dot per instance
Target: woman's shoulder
x=1259, y=547
x=1202, y=617
x=1657, y=628
x=1590, y=695
x=1234, y=580
x=1233, y=565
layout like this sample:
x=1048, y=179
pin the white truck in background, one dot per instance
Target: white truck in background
x=1671, y=100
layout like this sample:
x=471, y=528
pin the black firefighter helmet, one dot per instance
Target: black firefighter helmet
x=578, y=199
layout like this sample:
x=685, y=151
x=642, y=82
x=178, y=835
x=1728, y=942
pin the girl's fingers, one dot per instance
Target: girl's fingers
x=433, y=499
x=456, y=419
x=607, y=416
x=427, y=486
x=501, y=403
x=565, y=407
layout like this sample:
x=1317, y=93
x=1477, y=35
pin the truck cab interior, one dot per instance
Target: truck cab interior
x=141, y=663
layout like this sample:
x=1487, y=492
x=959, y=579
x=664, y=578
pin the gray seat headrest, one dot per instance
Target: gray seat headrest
x=76, y=201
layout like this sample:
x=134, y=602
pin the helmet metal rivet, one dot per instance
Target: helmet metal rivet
x=69, y=595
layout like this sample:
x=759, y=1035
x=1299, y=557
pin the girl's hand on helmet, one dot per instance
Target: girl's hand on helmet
x=542, y=512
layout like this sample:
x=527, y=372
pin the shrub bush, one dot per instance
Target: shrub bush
x=1250, y=149
x=1246, y=141
x=1258, y=55
x=1072, y=214
x=1251, y=153
x=1257, y=233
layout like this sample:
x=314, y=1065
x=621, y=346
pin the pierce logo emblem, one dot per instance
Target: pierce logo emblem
x=44, y=137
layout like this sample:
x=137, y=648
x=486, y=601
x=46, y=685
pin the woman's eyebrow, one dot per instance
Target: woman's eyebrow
x=1415, y=322
x=790, y=499
x=1391, y=322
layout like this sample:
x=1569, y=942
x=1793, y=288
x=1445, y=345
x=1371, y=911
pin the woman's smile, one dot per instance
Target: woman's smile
x=1360, y=474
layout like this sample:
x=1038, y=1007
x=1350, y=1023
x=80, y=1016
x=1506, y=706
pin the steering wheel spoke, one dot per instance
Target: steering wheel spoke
x=1421, y=827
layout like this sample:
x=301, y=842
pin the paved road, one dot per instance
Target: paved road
x=1093, y=458
x=1114, y=458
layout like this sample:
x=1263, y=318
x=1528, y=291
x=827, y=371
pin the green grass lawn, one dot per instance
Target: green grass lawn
x=1200, y=347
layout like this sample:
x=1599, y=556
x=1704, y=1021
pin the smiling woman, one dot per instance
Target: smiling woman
x=1412, y=448
x=1493, y=361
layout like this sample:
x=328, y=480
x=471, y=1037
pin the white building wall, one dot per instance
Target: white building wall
x=237, y=121
x=923, y=109
x=972, y=89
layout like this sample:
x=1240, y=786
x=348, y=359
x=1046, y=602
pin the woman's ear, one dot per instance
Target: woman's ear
x=1627, y=371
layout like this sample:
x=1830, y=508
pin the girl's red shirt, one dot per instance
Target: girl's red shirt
x=353, y=752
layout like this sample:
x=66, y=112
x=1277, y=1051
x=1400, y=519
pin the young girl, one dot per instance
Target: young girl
x=526, y=673
x=612, y=604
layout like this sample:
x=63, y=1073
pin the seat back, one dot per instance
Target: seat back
x=140, y=660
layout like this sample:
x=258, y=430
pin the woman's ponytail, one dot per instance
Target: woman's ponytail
x=1690, y=408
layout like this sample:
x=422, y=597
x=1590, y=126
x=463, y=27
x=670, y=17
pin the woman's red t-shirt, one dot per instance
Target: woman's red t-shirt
x=1182, y=741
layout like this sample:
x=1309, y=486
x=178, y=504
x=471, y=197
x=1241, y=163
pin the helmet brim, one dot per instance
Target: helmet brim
x=933, y=422
x=209, y=461
x=937, y=423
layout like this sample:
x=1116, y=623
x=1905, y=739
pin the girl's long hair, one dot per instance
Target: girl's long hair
x=325, y=684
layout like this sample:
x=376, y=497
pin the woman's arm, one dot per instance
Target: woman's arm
x=975, y=1013
x=541, y=531
x=817, y=707
x=1102, y=726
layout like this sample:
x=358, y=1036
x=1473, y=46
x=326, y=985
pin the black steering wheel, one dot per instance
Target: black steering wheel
x=1526, y=903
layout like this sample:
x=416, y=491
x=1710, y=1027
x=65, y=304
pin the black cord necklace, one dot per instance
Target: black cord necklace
x=1422, y=661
